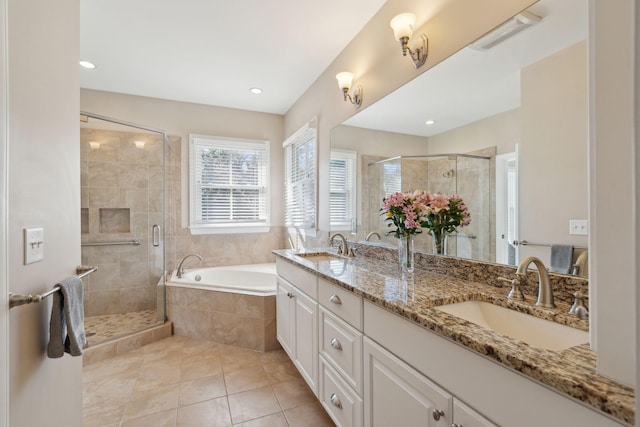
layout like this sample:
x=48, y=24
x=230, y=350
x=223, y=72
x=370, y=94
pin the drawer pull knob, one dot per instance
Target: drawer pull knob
x=289, y=294
x=335, y=299
x=437, y=413
x=457, y=425
x=335, y=401
x=336, y=344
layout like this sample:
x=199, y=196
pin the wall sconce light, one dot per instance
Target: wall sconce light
x=94, y=145
x=402, y=30
x=139, y=144
x=344, y=82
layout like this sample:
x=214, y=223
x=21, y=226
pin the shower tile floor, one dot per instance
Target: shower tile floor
x=182, y=382
x=103, y=328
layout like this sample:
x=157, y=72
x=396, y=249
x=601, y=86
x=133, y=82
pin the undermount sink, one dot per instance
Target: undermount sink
x=524, y=327
x=319, y=256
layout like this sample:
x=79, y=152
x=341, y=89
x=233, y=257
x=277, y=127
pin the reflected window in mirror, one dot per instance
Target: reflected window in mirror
x=342, y=177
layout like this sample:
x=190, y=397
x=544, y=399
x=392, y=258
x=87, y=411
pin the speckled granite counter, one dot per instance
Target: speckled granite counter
x=571, y=372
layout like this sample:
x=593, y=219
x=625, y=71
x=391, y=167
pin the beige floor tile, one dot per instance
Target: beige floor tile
x=309, y=415
x=125, y=366
x=278, y=372
x=275, y=420
x=113, y=388
x=155, y=377
x=160, y=419
x=237, y=359
x=103, y=413
x=273, y=356
x=201, y=389
x=293, y=393
x=204, y=366
x=163, y=358
x=245, y=379
x=253, y=404
x=213, y=412
x=158, y=400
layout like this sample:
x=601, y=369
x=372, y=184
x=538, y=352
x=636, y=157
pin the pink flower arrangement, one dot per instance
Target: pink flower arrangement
x=410, y=212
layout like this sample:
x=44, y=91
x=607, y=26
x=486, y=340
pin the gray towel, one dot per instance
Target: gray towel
x=66, y=330
x=561, y=259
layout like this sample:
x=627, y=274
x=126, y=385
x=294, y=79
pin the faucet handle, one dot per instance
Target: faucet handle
x=578, y=308
x=515, y=292
x=351, y=254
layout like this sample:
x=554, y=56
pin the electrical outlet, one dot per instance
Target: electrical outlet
x=578, y=227
x=33, y=245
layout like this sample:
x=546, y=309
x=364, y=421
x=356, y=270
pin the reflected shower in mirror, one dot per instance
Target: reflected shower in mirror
x=523, y=104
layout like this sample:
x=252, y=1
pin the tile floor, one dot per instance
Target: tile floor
x=106, y=327
x=179, y=382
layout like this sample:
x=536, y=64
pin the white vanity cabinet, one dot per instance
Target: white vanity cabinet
x=395, y=394
x=297, y=319
x=464, y=416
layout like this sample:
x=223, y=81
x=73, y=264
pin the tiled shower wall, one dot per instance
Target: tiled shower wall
x=121, y=199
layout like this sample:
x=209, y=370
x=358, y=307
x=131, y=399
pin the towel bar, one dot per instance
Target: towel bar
x=526, y=243
x=17, y=299
x=134, y=242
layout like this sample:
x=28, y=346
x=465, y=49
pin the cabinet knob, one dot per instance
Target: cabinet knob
x=437, y=413
x=335, y=299
x=335, y=401
x=335, y=344
x=289, y=294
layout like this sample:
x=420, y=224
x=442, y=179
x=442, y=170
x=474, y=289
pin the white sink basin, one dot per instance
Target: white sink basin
x=524, y=327
x=320, y=256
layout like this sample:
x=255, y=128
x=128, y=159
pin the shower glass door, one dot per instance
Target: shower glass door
x=123, y=216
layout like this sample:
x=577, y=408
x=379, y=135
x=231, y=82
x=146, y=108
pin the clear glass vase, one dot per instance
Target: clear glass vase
x=439, y=246
x=405, y=254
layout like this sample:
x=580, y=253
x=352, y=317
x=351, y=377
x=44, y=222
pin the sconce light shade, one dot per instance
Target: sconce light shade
x=403, y=30
x=345, y=79
x=403, y=25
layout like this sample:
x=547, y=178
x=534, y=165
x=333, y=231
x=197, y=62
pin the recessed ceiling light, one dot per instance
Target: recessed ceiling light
x=255, y=90
x=430, y=122
x=87, y=64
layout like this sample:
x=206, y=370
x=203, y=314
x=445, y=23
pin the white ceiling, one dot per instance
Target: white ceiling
x=213, y=51
x=472, y=85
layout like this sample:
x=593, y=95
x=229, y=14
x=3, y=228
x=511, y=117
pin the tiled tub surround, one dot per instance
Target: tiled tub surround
x=247, y=321
x=571, y=372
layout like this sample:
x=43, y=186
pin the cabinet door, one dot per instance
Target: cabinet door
x=306, y=338
x=395, y=394
x=284, y=320
x=464, y=416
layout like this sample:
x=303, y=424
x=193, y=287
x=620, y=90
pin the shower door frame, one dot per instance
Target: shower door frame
x=165, y=144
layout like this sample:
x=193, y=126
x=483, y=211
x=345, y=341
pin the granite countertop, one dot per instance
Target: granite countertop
x=571, y=371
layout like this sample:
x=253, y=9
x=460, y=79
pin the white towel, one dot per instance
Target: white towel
x=66, y=329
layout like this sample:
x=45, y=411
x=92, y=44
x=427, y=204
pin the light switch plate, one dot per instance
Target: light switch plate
x=578, y=227
x=33, y=245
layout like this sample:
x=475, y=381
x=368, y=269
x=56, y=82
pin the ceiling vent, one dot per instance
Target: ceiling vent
x=520, y=22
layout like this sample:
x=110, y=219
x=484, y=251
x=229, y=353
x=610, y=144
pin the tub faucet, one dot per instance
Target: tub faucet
x=344, y=250
x=180, y=271
x=370, y=235
x=545, y=294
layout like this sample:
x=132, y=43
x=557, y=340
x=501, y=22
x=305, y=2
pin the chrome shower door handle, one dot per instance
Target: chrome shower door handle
x=155, y=233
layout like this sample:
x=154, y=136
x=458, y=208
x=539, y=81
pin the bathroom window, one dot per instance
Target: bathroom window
x=301, y=173
x=342, y=183
x=228, y=185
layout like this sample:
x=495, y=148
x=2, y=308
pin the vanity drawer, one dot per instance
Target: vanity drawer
x=341, y=302
x=339, y=400
x=298, y=277
x=341, y=345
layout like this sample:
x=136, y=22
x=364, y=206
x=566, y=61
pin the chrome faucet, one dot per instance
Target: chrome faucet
x=545, y=294
x=373, y=233
x=180, y=271
x=344, y=250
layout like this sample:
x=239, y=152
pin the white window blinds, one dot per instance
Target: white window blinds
x=301, y=173
x=228, y=182
x=342, y=183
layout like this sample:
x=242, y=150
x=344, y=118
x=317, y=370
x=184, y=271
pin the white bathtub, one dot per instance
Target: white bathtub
x=250, y=279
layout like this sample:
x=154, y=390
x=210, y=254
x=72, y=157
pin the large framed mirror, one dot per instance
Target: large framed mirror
x=501, y=123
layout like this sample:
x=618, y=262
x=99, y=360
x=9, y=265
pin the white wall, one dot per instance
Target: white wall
x=613, y=202
x=44, y=190
x=4, y=287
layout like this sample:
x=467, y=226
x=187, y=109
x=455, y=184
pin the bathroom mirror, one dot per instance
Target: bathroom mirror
x=521, y=103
